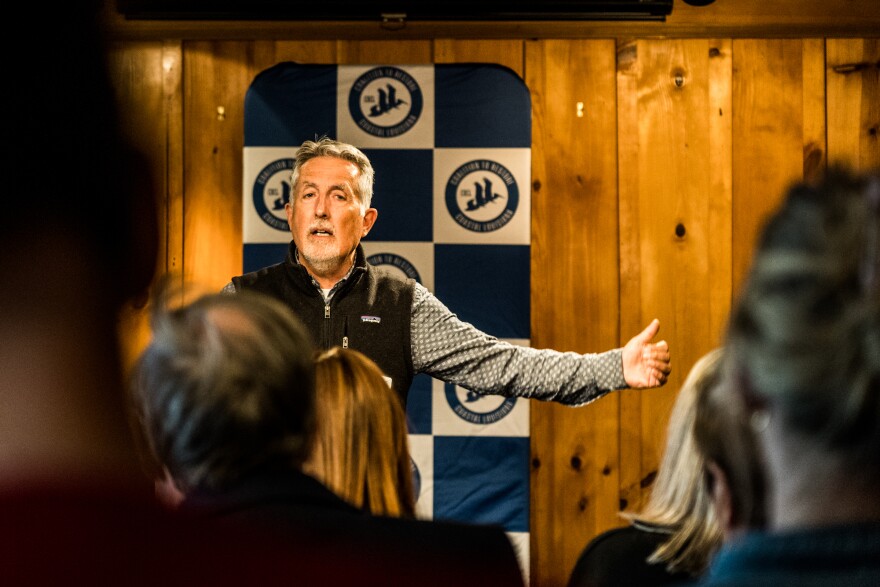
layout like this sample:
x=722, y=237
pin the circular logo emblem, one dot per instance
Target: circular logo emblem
x=476, y=408
x=482, y=195
x=395, y=261
x=385, y=102
x=272, y=191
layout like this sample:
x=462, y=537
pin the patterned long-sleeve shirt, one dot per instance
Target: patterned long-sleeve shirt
x=452, y=350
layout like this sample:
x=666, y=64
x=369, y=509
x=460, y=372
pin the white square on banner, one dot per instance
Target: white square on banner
x=421, y=450
x=414, y=260
x=482, y=196
x=266, y=189
x=386, y=106
x=459, y=412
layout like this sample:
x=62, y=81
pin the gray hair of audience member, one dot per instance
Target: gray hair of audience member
x=327, y=147
x=679, y=498
x=804, y=337
x=724, y=436
x=226, y=386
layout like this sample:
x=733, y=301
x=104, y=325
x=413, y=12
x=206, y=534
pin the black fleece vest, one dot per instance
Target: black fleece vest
x=371, y=312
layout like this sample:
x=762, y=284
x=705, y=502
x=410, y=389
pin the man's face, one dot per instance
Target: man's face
x=325, y=216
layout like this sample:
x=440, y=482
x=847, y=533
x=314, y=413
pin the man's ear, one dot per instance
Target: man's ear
x=369, y=220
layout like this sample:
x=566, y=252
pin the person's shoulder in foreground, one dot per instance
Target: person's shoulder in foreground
x=618, y=558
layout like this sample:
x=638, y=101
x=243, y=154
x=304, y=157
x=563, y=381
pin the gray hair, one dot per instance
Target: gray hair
x=226, y=385
x=327, y=147
x=805, y=335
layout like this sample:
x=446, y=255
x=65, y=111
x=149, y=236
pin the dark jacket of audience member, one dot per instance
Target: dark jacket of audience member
x=671, y=541
x=804, y=372
x=226, y=392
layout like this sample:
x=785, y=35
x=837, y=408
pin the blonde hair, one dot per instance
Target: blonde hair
x=362, y=448
x=679, y=499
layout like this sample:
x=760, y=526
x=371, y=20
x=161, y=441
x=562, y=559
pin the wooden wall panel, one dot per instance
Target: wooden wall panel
x=216, y=76
x=268, y=53
x=146, y=79
x=370, y=52
x=674, y=167
x=771, y=81
x=574, y=293
x=853, y=75
x=507, y=53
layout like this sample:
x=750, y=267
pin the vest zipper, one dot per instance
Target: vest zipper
x=345, y=332
x=326, y=325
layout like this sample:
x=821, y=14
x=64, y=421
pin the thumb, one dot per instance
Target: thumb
x=650, y=332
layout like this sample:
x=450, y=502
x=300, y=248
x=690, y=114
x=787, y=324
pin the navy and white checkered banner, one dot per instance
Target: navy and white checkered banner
x=451, y=146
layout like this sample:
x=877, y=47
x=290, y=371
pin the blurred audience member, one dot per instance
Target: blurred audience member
x=227, y=397
x=734, y=473
x=671, y=541
x=804, y=371
x=362, y=448
x=79, y=242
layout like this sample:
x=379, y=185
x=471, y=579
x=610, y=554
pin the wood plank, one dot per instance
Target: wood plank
x=172, y=85
x=768, y=136
x=674, y=145
x=217, y=76
x=854, y=102
x=814, y=133
x=628, y=76
x=574, y=292
x=508, y=53
x=379, y=52
x=720, y=203
x=140, y=72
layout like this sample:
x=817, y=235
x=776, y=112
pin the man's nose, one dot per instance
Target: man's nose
x=321, y=206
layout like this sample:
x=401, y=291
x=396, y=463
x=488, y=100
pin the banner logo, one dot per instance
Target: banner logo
x=385, y=102
x=482, y=195
x=272, y=191
x=475, y=408
x=395, y=261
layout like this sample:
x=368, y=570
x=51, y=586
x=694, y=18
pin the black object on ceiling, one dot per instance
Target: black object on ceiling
x=401, y=10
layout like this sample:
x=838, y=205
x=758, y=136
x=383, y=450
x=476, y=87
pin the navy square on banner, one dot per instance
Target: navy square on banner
x=486, y=285
x=482, y=480
x=290, y=103
x=481, y=105
x=402, y=194
x=257, y=256
x=418, y=405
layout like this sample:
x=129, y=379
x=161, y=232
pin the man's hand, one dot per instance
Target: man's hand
x=646, y=364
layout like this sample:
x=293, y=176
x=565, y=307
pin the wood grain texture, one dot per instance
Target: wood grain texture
x=216, y=79
x=146, y=79
x=508, y=53
x=379, y=52
x=674, y=165
x=768, y=135
x=574, y=292
x=853, y=77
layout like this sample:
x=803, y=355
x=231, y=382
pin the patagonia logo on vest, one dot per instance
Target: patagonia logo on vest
x=372, y=319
